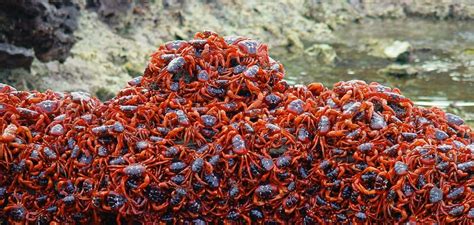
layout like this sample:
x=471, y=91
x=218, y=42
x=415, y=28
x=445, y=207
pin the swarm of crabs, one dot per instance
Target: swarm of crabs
x=212, y=134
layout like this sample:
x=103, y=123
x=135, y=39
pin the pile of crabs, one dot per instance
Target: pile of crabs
x=211, y=133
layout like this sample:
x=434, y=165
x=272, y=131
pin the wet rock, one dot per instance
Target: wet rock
x=12, y=56
x=322, y=52
x=45, y=26
x=395, y=50
x=400, y=70
x=439, y=66
x=399, y=50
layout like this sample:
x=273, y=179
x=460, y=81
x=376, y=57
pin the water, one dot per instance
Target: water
x=443, y=52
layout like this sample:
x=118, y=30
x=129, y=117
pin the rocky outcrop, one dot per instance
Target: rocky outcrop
x=322, y=53
x=44, y=26
x=12, y=56
x=112, y=12
x=400, y=51
x=340, y=11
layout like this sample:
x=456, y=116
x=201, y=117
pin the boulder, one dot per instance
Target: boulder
x=400, y=70
x=395, y=50
x=45, y=26
x=324, y=53
x=12, y=56
x=113, y=12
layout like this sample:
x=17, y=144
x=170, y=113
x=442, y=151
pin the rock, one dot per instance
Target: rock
x=12, y=56
x=356, y=9
x=46, y=27
x=110, y=8
x=294, y=43
x=439, y=66
x=323, y=52
x=21, y=78
x=334, y=13
x=400, y=70
x=100, y=63
x=112, y=12
x=397, y=50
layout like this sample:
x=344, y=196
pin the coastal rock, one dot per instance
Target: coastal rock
x=112, y=12
x=347, y=10
x=12, y=56
x=100, y=63
x=399, y=70
x=397, y=49
x=45, y=26
x=394, y=50
x=322, y=53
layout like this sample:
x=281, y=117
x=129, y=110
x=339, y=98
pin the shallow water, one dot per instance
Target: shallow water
x=444, y=50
